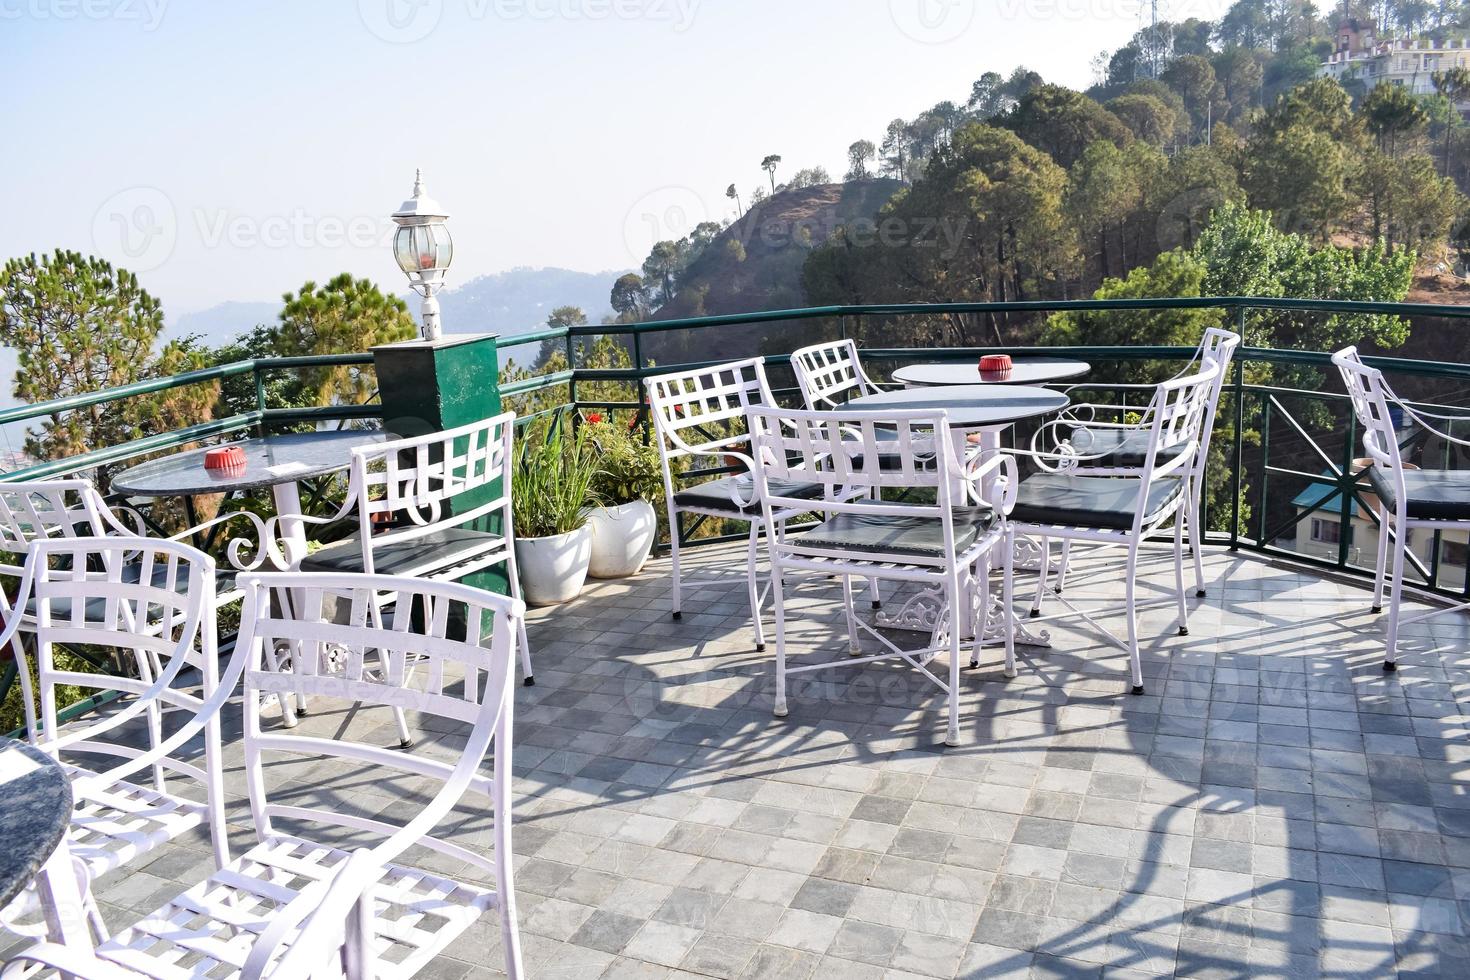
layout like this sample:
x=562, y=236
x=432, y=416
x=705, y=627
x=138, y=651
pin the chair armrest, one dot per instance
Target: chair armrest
x=320, y=912
x=1001, y=472
x=66, y=961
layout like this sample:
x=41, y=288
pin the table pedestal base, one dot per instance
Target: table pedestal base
x=922, y=610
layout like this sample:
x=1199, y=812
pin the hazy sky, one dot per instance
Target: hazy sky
x=232, y=150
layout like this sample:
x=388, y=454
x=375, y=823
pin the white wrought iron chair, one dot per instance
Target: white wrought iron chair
x=1084, y=440
x=1123, y=511
x=1408, y=499
x=450, y=495
x=947, y=546
x=700, y=414
x=70, y=508
x=150, y=604
x=295, y=905
x=829, y=374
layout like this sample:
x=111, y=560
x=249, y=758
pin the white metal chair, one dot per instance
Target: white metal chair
x=700, y=414
x=947, y=546
x=1123, y=511
x=151, y=604
x=829, y=374
x=1408, y=499
x=73, y=507
x=294, y=905
x=1085, y=442
x=449, y=495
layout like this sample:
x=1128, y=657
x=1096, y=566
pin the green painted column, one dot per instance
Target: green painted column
x=430, y=386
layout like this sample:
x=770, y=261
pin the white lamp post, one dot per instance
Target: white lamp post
x=424, y=250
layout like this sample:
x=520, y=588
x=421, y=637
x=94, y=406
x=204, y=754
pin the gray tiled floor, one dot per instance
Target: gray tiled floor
x=1275, y=805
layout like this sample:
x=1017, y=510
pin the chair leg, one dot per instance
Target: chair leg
x=853, y=647
x=1007, y=597
x=1130, y=590
x=752, y=554
x=778, y=601
x=674, y=523
x=510, y=933
x=980, y=590
x=1196, y=539
x=952, y=729
x=1179, y=572
x=1381, y=567
x=528, y=676
x=1395, y=599
x=1041, y=576
x=1064, y=565
x=876, y=596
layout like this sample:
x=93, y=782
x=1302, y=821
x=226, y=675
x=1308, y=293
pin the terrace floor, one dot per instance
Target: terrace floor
x=1274, y=806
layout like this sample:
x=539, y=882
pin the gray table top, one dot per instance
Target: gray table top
x=970, y=406
x=268, y=461
x=1024, y=371
x=37, y=811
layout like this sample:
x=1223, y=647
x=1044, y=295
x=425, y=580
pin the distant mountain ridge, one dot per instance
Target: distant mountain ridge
x=505, y=303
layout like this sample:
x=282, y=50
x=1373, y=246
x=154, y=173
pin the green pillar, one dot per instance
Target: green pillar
x=429, y=386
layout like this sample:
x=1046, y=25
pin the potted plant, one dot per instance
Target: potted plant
x=550, y=490
x=629, y=478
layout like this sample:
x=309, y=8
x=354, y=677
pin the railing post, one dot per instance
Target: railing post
x=1237, y=481
x=259, y=397
x=572, y=367
x=1349, y=501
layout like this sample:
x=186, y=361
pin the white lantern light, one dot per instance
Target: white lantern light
x=423, y=248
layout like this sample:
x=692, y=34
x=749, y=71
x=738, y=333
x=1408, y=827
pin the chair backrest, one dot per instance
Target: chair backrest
x=39, y=509
x=1372, y=405
x=410, y=660
x=827, y=372
x=1217, y=347
x=422, y=478
x=1176, y=431
x=701, y=412
x=841, y=451
x=146, y=603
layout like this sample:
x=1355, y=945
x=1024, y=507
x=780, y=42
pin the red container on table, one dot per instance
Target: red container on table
x=225, y=460
x=995, y=364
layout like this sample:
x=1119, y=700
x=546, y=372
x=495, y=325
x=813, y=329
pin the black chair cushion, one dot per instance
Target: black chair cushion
x=132, y=573
x=920, y=535
x=715, y=495
x=438, y=549
x=1434, y=495
x=1124, y=449
x=1102, y=502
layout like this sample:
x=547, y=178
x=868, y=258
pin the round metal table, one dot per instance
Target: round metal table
x=277, y=462
x=975, y=407
x=37, y=812
x=1024, y=371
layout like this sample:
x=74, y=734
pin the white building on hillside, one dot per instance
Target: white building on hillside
x=1362, y=56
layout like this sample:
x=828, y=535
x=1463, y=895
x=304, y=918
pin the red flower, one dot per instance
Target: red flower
x=594, y=417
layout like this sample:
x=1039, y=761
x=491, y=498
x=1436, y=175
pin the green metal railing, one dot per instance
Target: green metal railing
x=1245, y=403
x=1273, y=411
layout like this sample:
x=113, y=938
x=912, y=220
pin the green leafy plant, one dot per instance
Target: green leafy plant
x=629, y=467
x=552, y=484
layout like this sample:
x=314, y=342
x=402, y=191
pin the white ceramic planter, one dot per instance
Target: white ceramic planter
x=554, y=569
x=622, y=537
